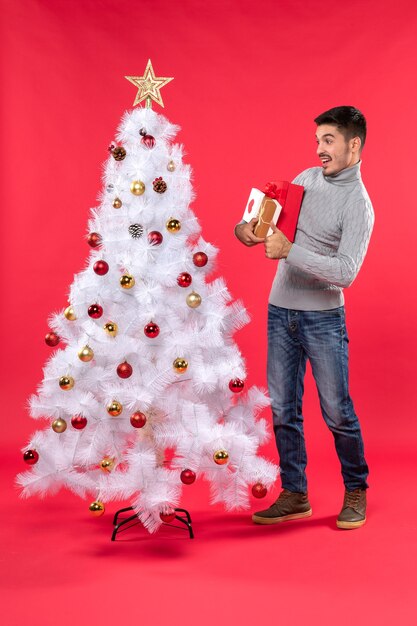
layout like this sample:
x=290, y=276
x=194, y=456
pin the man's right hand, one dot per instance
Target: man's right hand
x=244, y=232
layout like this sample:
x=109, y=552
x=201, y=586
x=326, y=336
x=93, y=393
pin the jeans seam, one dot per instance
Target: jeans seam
x=295, y=407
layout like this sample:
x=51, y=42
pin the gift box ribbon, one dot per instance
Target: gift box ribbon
x=272, y=190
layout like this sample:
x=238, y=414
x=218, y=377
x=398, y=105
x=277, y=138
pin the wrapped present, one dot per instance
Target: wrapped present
x=280, y=203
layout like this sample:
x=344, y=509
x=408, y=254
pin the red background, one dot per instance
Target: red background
x=249, y=79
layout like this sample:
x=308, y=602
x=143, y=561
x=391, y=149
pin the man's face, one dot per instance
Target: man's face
x=334, y=151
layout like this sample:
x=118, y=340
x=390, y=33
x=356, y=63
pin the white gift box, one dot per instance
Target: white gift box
x=266, y=209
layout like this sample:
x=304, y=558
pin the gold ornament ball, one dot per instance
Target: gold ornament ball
x=97, y=508
x=114, y=408
x=171, y=166
x=70, y=314
x=127, y=281
x=66, y=382
x=173, y=225
x=221, y=457
x=180, y=365
x=85, y=354
x=107, y=464
x=193, y=300
x=137, y=187
x=117, y=203
x=111, y=329
x=59, y=425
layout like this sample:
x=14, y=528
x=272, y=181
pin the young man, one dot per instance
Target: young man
x=306, y=317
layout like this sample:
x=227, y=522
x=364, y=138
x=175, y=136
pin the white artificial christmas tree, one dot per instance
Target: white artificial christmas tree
x=149, y=363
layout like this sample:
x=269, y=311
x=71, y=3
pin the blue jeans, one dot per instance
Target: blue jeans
x=294, y=337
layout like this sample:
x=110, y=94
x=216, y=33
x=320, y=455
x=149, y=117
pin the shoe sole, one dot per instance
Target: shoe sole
x=350, y=525
x=283, y=518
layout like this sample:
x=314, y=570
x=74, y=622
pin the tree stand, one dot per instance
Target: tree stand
x=132, y=520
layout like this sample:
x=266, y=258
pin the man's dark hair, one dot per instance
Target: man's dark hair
x=350, y=121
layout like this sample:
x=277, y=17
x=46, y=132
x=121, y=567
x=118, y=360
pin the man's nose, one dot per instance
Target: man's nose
x=319, y=148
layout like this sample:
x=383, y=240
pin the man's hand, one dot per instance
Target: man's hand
x=244, y=232
x=277, y=246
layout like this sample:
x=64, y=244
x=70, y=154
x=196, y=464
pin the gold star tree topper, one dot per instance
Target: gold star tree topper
x=149, y=86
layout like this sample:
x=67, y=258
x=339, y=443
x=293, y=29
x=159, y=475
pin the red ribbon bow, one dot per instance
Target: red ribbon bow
x=271, y=190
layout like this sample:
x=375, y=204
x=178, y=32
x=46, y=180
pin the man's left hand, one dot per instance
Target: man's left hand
x=277, y=246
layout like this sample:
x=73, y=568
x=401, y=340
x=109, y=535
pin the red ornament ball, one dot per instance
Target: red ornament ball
x=95, y=311
x=148, y=141
x=167, y=517
x=31, y=457
x=94, y=240
x=200, y=259
x=151, y=330
x=138, y=419
x=124, y=370
x=187, y=477
x=52, y=339
x=259, y=490
x=155, y=238
x=184, y=279
x=101, y=267
x=78, y=422
x=236, y=385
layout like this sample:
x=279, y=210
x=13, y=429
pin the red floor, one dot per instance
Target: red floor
x=60, y=567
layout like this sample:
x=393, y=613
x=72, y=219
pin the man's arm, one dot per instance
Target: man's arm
x=340, y=269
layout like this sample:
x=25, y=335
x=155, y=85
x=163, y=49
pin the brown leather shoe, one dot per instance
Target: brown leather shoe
x=353, y=513
x=288, y=506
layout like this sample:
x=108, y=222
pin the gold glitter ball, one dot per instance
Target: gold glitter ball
x=111, y=329
x=180, y=365
x=221, y=457
x=97, y=508
x=66, y=382
x=137, y=187
x=70, y=314
x=85, y=354
x=59, y=425
x=107, y=464
x=127, y=281
x=193, y=300
x=114, y=408
x=173, y=225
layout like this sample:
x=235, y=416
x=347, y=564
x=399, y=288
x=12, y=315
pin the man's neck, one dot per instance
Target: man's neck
x=346, y=175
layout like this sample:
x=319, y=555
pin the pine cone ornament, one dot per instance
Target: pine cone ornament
x=159, y=185
x=136, y=230
x=119, y=153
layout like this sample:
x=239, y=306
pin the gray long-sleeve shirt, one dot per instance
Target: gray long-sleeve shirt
x=333, y=232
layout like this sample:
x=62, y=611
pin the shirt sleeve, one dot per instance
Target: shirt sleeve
x=342, y=268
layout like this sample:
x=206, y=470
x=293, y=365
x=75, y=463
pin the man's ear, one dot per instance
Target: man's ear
x=356, y=144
